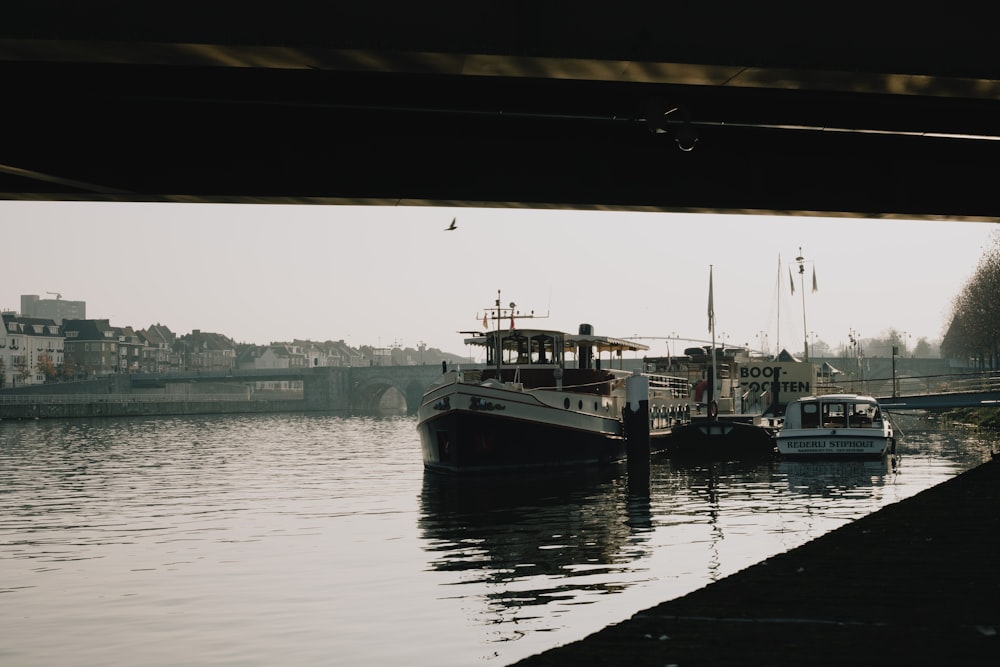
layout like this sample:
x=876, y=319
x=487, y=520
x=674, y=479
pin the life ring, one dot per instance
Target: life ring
x=713, y=409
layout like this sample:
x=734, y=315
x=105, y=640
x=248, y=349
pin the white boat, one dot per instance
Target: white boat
x=835, y=426
x=533, y=406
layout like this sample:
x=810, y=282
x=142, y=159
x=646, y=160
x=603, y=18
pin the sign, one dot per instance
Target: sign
x=795, y=378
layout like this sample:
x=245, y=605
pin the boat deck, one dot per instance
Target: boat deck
x=916, y=583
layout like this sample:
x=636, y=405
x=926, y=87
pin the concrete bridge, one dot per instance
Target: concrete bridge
x=361, y=389
x=377, y=389
x=727, y=106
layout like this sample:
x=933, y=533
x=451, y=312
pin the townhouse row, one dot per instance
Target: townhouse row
x=34, y=350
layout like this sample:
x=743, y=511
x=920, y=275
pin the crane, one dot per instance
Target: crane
x=58, y=295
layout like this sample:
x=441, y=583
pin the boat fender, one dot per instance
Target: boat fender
x=713, y=409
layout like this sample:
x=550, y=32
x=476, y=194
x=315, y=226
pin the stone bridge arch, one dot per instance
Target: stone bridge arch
x=381, y=389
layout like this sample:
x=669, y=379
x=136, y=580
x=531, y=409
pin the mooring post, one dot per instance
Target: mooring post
x=635, y=420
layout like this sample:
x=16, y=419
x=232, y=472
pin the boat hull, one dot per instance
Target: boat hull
x=460, y=442
x=837, y=443
x=469, y=428
x=721, y=439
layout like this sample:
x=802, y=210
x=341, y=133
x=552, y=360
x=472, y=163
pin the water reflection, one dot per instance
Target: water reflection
x=838, y=478
x=245, y=539
x=535, y=539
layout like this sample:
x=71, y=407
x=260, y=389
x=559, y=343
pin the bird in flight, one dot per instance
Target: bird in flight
x=451, y=226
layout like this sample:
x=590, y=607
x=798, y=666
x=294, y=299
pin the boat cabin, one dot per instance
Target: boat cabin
x=834, y=411
x=544, y=347
x=522, y=347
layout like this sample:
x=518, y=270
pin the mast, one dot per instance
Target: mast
x=496, y=339
x=711, y=327
x=777, y=297
x=499, y=313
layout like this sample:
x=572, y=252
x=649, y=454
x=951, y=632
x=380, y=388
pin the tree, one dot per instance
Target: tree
x=46, y=367
x=3, y=374
x=974, y=332
x=22, y=371
x=68, y=369
x=923, y=349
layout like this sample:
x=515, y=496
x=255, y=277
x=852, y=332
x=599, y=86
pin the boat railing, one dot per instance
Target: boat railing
x=612, y=382
x=755, y=402
x=677, y=386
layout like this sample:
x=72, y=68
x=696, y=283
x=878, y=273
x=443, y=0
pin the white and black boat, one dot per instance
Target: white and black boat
x=534, y=406
x=835, y=426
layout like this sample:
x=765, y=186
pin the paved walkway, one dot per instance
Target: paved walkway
x=916, y=583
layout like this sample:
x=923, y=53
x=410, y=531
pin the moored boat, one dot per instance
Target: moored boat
x=835, y=426
x=731, y=418
x=532, y=406
x=735, y=413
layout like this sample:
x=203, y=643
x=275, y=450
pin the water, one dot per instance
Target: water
x=319, y=540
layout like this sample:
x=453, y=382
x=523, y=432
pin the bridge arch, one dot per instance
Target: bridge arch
x=380, y=389
x=378, y=396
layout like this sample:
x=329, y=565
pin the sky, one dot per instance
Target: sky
x=385, y=276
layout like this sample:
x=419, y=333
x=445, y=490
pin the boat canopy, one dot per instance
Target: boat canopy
x=604, y=343
x=545, y=346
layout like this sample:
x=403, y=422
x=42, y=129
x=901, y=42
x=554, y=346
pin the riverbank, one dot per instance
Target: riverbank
x=132, y=405
x=916, y=583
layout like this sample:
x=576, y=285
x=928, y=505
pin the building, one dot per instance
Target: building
x=131, y=350
x=57, y=309
x=330, y=353
x=91, y=348
x=31, y=350
x=206, y=351
x=272, y=357
x=160, y=356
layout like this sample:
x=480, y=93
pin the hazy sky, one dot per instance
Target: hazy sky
x=384, y=276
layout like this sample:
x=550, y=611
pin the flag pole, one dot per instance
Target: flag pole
x=805, y=330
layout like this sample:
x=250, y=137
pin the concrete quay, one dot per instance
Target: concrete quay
x=916, y=583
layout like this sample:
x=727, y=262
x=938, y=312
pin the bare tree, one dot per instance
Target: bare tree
x=975, y=324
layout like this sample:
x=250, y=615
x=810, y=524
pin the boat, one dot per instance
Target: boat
x=534, y=406
x=835, y=426
x=732, y=418
x=730, y=421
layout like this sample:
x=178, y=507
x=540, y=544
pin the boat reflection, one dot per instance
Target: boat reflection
x=532, y=540
x=837, y=477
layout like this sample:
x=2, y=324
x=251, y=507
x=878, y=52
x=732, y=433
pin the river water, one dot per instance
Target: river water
x=319, y=540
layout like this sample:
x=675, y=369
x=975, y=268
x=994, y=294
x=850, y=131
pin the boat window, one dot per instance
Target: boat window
x=834, y=415
x=810, y=415
x=515, y=350
x=544, y=350
x=862, y=415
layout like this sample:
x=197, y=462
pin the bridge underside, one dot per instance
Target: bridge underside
x=814, y=110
